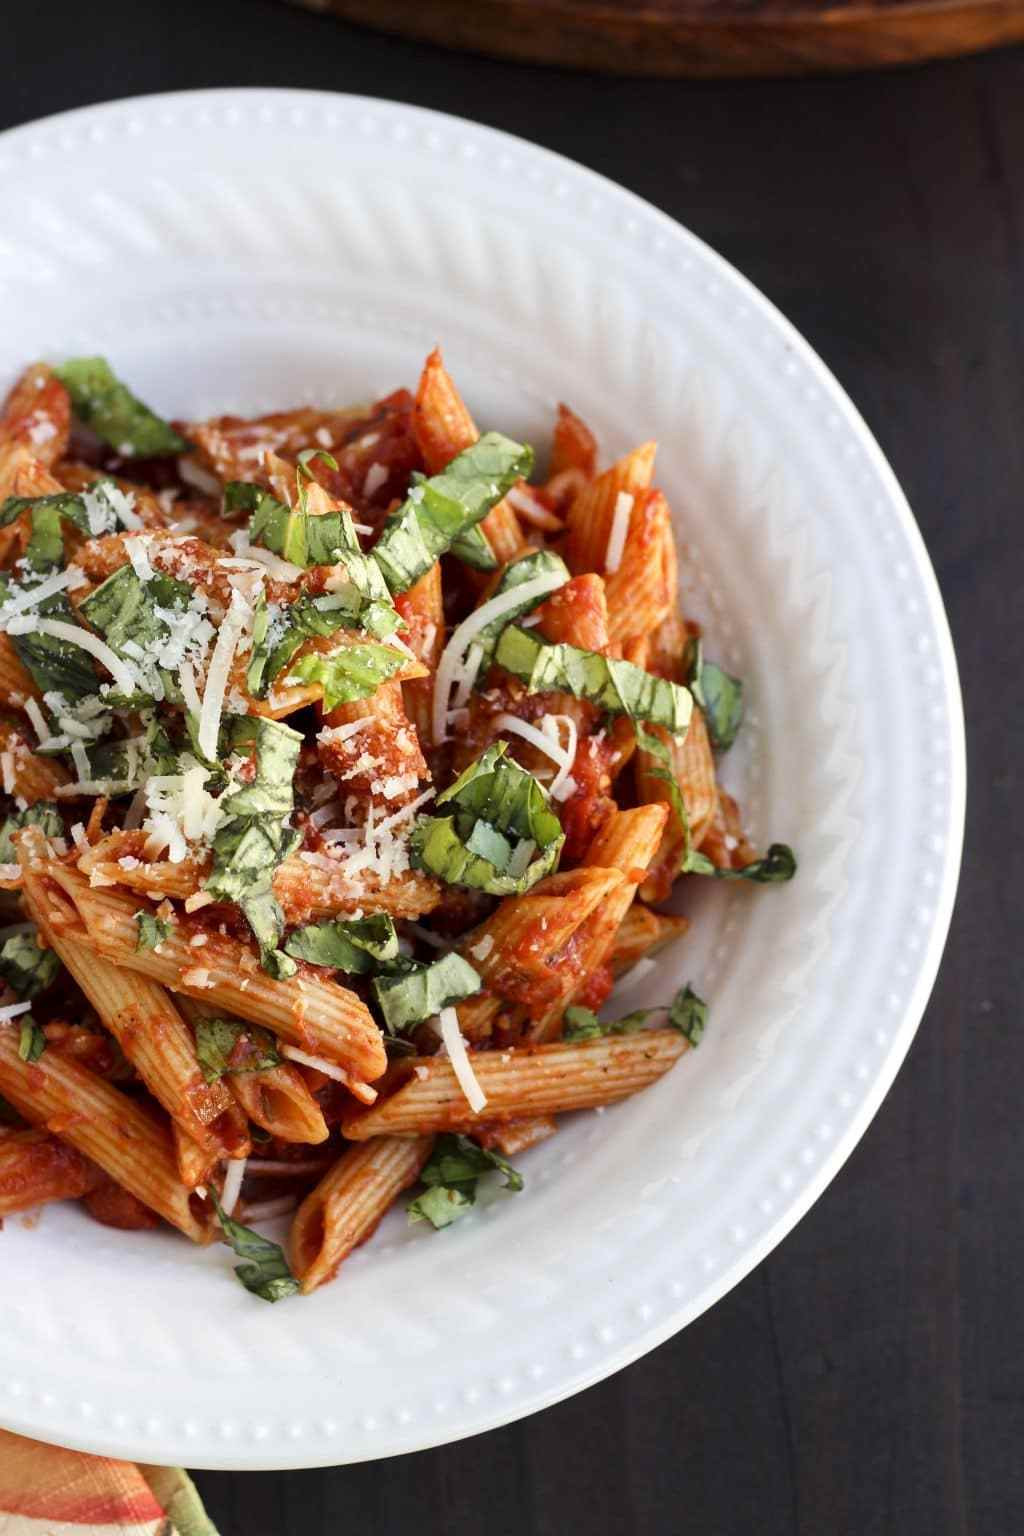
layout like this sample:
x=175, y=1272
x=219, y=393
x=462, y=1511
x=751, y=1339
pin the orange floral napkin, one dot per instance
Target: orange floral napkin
x=47, y=1491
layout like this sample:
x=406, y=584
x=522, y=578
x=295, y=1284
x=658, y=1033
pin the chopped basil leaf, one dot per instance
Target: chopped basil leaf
x=357, y=946
x=417, y=992
x=719, y=694
x=229, y=1045
x=499, y=815
x=144, y=622
x=352, y=672
x=451, y=1174
x=304, y=538
x=689, y=1014
x=277, y=636
x=584, y=1024
x=473, y=549
x=41, y=815
x=45, y=549
x=152, y=930
x=444, y=508
x=613, y=685
x=774, y=867
x=109, y=408
x=32, y=1041
x=266, y=1272
x=542, y=562
x=253, y=837
x=55, y=665
x=26, y=968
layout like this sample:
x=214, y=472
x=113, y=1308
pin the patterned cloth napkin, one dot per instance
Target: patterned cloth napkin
x=47, y=1491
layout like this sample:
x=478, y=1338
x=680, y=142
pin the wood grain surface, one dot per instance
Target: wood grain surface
x=698, y=37
x=868, y=1378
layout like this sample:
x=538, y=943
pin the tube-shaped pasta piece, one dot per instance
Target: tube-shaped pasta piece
x=573, y=445
x=37, y=413
x=25, y=774
x=624, y=847
x=643, y=587
x=641, y=933
x=725, y=843
x=383, y=753
x=592, y=513
x=133, y=1147
x=346, y=1206
x=422, y=608
x=308, y=885
x=518, y=1084
x=137, y=1012
x=36, y=1168
x=693, y=768
x=232, y=447
x=16, y=682
x=316, y=1015
x=443, y=427
x=278, y=1100
x=275, y=1098
x=518, y=1135
x=517, y=949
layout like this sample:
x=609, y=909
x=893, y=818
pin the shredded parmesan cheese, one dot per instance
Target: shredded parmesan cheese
x=228, y=637
x=35, y=595
x=12, y=1010
x=232, y=1184
x=619, y=530
x=539, y=739
x=459, y=1058
x=470, y=627
x=80, y=637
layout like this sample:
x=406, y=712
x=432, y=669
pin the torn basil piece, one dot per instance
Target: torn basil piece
x=253, y=837
x=266, y=1272
x=150, y=624
x=451, y=1174
x=26, y=968
x=358, y=946
x=443, y=509
x=42, y=815
x=31, y=1040
x=542, y=562
x=45, y=549
x=774, y=867
x=584, y=1024
x=152, y=930
x=689, y=1014
x=55, y=665
x=473, y=548
x=719, y=694
x=418, y=992
x=352, y=672
x=229, y=1045
x=102, y=403
x=128, y=762
x=499, y=819
x=304, y=538
x=615, y=686
x=278, y=632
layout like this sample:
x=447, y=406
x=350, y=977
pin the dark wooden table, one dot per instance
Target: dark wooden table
x=868, y=1378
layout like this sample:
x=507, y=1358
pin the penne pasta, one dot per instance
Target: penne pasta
x=316, y=1015
x=331, y=841
x=310, y=884
x=347, y=1205
x=592, y=512
x=518, y=1084
x=102, y=1124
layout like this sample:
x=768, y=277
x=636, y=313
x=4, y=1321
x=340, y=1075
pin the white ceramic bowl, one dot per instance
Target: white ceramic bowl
x=241, y=250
